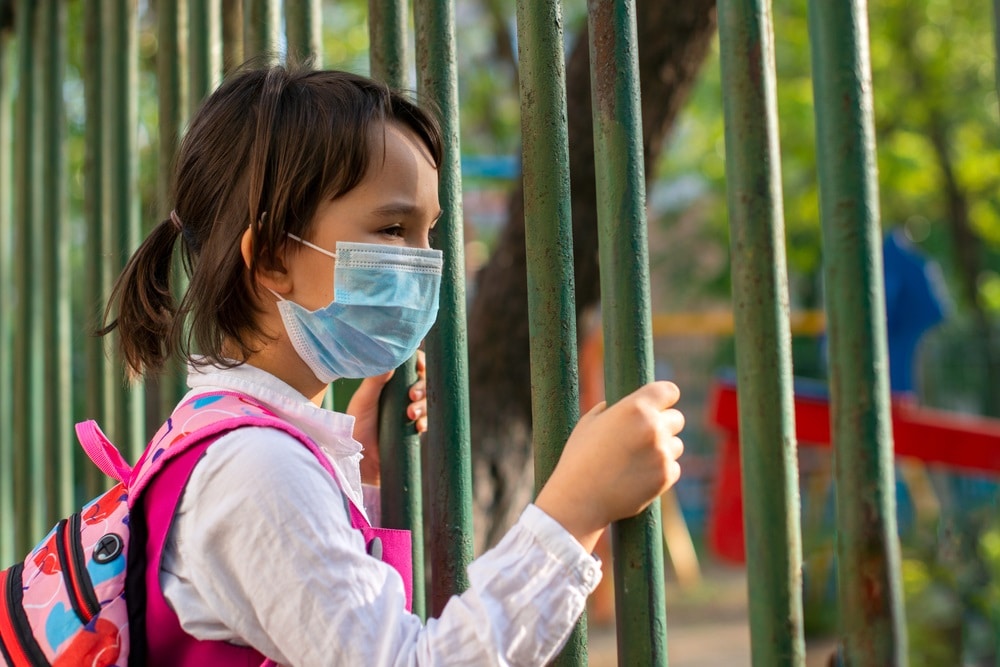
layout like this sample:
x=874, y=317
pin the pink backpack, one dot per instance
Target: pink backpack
x=89, y=595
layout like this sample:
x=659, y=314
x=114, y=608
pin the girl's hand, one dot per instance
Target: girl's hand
x=616, y=462
x=364, y=408
x=417, y=410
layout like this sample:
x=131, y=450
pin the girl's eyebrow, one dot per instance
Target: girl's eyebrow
x=402, y=209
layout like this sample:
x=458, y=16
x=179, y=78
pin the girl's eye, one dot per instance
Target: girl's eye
x=396, y=231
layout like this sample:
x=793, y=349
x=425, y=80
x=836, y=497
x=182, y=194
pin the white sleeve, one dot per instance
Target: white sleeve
x=261, y=552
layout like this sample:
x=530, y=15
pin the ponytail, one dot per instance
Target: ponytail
x=145, y=306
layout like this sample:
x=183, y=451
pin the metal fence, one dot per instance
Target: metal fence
x=56, y=268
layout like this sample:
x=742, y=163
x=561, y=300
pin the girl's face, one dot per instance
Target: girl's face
x=396, y=203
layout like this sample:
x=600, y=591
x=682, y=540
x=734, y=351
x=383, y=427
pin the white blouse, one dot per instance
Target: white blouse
x=262, y=553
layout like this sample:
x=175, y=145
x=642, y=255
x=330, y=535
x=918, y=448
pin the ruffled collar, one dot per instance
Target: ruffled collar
x=331, y=430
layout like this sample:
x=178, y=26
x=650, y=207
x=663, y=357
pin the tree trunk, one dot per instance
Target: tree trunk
x=674, y=39
x=967, y=249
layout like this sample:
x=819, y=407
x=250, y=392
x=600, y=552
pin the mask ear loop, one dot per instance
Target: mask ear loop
x=312, y=245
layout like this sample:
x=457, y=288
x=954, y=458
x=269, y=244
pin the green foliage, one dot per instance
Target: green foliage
x=932, y=64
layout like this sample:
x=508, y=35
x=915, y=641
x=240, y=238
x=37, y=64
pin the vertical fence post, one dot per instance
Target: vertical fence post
x=29, y=523
x=204, y=74
x=870, y=587
x=763, y=346
x=92, y=295
x=304, y=30
x=450, y=461
x=261, y=27
x=232, y=35
x=204, y=50
x=387, y=39
x=56, y=409
x=121, y=232
x=172, y=81
x=624, y=255
x=93, y=279
x=399, y=444
x=7, y=296
x=549, y=249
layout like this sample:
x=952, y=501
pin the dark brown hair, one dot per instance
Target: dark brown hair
x=267, y=147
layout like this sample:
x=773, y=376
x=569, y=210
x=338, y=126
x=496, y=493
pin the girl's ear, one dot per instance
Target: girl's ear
x=270, y=276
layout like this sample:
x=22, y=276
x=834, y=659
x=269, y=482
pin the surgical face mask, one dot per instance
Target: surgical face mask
x=385, y=301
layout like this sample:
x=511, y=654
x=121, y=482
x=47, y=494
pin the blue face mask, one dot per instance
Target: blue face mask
x=385, y=301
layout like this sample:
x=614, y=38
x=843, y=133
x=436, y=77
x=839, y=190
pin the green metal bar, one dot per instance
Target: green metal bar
x=29, y=522
x=171, y=56
x=204, y=74
x=7, y=302
x=58, y=436
x=204, y=50
x=399, y=444
x=763, y=344
x=172, y=79
x=39, y=294
x=124, y=411
x=232, y=35
x=399, y=449
x=205, y=46
x=261, y=27
x=868, y=574
x=621, y=204
x=304, y=28
x=387, y=40
x=93, y=263
x=450, y=460
x=555, y=401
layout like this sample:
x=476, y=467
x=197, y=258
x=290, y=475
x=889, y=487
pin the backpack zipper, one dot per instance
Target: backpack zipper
x=18, y=643
x=74, y=567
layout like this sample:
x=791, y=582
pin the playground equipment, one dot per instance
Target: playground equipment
x=38, y=478
x=961, y=442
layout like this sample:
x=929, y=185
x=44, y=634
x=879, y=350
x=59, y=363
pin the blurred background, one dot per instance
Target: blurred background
x=934, y=66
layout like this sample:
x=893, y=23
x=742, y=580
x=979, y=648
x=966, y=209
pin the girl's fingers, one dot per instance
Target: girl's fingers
x=421, y=363
x=673, y=419
x=421, y=425
x=418, y=390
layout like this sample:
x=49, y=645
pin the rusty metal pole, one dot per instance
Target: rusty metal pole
x=448, y=437
x=399, y=443
x=555, y=401
x=637, y=543
x=763, y=342
x=868, y=558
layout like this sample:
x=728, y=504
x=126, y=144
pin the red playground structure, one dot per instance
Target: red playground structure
x=962, y=442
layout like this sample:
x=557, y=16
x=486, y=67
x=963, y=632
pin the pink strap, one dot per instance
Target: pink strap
x=167, y=643
x=100, y=450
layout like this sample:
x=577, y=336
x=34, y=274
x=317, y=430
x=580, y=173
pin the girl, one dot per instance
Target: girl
x=304, y=203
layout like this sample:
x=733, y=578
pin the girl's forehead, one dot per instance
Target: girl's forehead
x=401, y=162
